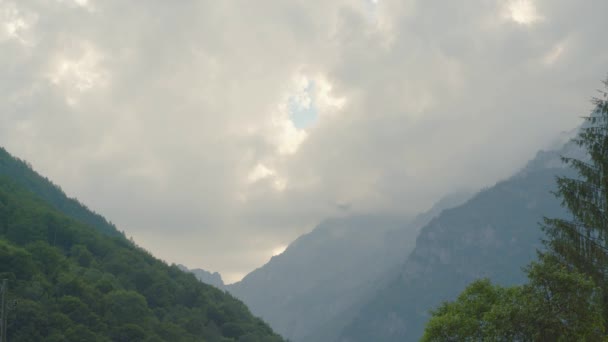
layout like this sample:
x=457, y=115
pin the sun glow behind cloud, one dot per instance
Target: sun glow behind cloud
x=279, y=250
x=523, y=12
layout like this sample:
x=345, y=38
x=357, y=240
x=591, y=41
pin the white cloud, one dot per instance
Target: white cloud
x=13, y=26
x=79, y=73
x=16, y=24
x=326, y=101
x=86, y=4
x=289, y=137
x=259, y=172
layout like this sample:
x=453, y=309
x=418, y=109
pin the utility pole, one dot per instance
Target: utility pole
x=3, y=311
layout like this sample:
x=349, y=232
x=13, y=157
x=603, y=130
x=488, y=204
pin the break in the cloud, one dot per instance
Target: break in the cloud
x=214, y=132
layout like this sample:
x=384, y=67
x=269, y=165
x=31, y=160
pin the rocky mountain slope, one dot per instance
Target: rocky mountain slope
x=310, y=291
x=493, y=235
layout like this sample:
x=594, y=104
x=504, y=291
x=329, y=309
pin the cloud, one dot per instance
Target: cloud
x=175, y=119
x=522, y=12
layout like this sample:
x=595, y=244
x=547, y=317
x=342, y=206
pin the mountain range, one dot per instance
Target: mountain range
x=310, y=291
x=375, y=278
x=352, y=278
x=493, y=235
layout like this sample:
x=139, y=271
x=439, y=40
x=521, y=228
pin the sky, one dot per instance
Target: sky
x=216, y=132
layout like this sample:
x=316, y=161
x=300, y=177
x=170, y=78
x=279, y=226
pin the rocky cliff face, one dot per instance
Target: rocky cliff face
x=209, y=278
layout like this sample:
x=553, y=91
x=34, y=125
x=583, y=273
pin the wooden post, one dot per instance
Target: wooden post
x=3, y=311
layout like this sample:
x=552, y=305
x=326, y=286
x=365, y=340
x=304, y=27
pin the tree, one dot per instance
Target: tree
x=557, y=304
x=465, y=319
x=582, y=241
x=126, y=307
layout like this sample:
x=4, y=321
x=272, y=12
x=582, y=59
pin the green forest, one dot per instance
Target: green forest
x=566, y=295
x=71, y=276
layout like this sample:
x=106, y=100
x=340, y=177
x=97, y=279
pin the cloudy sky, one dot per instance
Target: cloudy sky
x=214, y=132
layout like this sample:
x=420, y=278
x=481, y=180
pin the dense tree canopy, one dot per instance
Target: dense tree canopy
x=558, y=304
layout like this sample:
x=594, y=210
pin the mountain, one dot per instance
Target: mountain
x=319, y=275
x=69, y=280
x=309, y=292
x=492, y=235
x=214, y=279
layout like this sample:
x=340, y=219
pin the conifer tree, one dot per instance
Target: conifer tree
x=581, y=242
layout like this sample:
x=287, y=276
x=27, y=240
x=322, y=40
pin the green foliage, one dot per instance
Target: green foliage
x=563, y=303
x=558, y=304
x=566, y=297
x=74, y=282
x=467, y=318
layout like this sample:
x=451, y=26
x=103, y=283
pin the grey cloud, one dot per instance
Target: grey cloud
x=164, y=108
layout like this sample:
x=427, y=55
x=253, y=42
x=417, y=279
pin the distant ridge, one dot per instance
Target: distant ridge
x=214, y=279
x=314, y=288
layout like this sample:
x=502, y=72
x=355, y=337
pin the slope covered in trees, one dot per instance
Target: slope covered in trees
x=73, y=283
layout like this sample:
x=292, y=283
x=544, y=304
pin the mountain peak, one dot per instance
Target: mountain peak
x=210, y=278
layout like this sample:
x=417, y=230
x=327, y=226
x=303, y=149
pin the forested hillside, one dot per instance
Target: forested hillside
x=22, y=173
x=70, y=282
